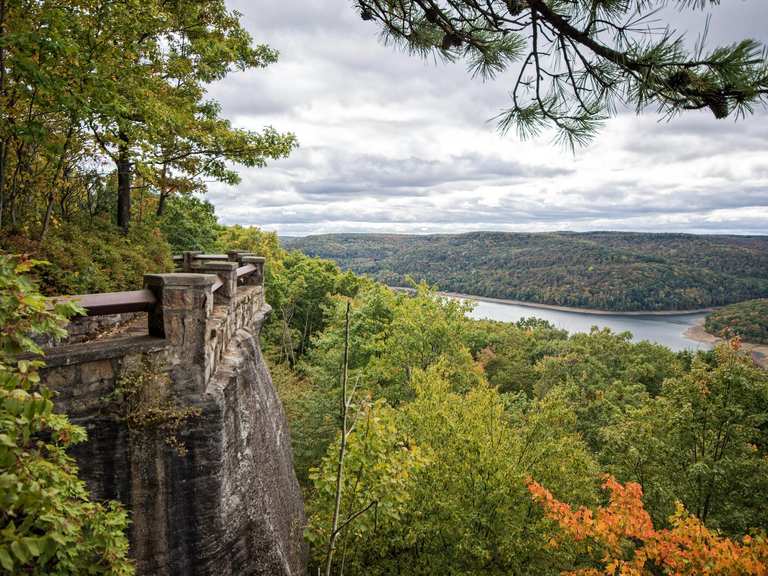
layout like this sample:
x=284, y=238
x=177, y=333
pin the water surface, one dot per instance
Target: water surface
x=667, y=330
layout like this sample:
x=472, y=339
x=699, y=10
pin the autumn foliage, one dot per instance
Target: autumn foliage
x=620, y=539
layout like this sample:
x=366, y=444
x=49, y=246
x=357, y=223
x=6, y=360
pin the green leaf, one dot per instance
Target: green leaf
x=6, y=440
x=19, y=551
x=6, y=561
x=33, y=546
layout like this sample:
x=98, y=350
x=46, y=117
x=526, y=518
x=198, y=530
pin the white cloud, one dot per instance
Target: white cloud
x=392, y=143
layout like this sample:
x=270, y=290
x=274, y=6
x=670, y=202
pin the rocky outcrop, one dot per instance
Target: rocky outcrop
x=259, y=498
x=222, y=499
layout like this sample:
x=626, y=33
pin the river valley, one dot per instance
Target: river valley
x=671, y=330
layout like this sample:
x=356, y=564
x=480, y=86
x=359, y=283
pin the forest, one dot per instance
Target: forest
x=105, y=126
x=618, y=271
x=748, y=320
x=481, y=447
x=469, y=447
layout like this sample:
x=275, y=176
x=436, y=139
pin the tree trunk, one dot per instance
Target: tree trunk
x=287, y=343
x=54, y=180
x=161, y=204
x=10, y=198
x=344, y=406
x=123, y=184
x=3, y=142
x=163, y=191
x=3, y=159
x=47, y=218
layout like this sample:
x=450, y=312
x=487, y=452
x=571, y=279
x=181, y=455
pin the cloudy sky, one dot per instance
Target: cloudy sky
x=391, y=143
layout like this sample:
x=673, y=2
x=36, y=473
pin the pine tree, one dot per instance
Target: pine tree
x=580, y=60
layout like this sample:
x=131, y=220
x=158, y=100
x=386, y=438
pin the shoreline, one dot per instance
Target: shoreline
x=695, y=332
x=759, y=352
x=570, y=309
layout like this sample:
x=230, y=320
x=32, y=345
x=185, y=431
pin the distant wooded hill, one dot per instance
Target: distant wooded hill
x=606, y=270
x=746, y=319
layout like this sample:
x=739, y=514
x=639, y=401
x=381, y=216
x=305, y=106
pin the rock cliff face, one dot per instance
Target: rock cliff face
x=259, y=505
x=231, y=504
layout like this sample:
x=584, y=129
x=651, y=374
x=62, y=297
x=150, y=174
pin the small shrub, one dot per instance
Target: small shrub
x=91, y=257
x=140, y=400
x=48, y=525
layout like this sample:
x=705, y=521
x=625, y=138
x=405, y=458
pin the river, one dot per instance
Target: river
x=668, y=330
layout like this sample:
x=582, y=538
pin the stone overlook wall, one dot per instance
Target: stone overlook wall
x=224, y=499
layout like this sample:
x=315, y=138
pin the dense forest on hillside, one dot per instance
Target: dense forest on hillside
x=604, y=270
x=749, y=320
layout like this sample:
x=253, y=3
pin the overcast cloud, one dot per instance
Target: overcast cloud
x=392, y=143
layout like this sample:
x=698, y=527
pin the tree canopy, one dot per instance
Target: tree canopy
x=605, y=270
x=453, y=422
x=101, y=98
x=749, y=320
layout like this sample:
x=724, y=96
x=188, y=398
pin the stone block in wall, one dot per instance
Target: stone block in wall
x=227, y=273
x=184, y=305
x=98, y=370
x=257, y=277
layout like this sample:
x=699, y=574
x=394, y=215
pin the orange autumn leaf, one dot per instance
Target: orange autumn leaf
x=622, y=540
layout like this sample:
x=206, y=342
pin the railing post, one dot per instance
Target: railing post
x=237, y=255
x=184, y=303
x=227, y=271
x=257, y=278
x=189, y=258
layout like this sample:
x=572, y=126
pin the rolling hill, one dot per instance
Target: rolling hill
x=619, y=271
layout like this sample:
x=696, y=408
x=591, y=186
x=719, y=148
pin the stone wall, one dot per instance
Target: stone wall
x=88, y=328
x=231, y=504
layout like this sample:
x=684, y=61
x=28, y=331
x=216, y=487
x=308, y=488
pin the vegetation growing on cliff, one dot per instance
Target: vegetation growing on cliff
x=143, y=402
x=89, y=257
x=604, y=270
x=748, y=320
x=48, y=525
